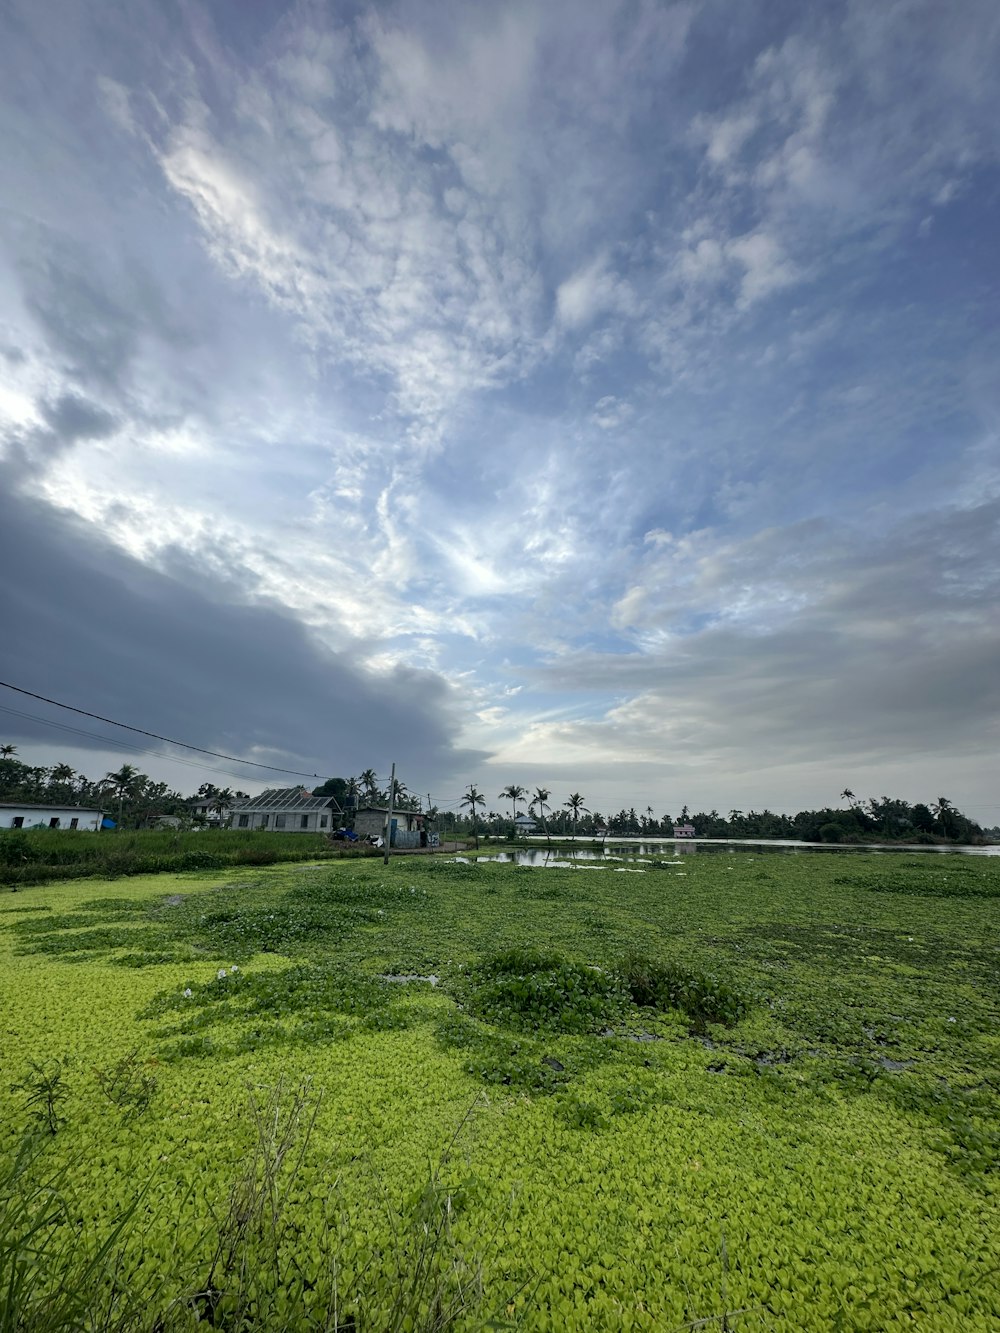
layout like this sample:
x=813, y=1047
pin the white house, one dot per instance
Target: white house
x=204, y=807
x=287, y=809
x=24, y=815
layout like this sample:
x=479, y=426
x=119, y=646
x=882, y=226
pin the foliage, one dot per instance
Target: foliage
x=44, y=1091
x=127, y=1085
x=704, y=998
x=827, y=1160
x=533, y=989
x=39, y=856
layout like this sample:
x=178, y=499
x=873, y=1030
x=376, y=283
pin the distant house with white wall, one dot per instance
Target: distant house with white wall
x=684, y=831
x=204, y=807
x=24, y=815
x=288, y=810
x=525, y=825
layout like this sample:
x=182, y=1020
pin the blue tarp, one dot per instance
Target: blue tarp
x=108, y=823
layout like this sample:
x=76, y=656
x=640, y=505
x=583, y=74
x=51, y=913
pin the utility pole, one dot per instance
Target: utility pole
x=387, y=830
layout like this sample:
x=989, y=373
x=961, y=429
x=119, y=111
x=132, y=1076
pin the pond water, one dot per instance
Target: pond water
x=635, y=851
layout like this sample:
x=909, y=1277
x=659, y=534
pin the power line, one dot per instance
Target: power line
x=230, y=758
x=131, y=746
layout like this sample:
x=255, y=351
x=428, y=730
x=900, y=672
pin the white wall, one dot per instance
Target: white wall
x=293, y=820
x=44, y=814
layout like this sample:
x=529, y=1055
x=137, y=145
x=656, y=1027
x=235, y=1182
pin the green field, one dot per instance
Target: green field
x=795, y=1128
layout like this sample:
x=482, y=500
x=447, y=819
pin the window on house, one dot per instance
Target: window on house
x=322, y=821
x=17, y=821
x=54, y=823
x=279, y=821
x=74, y=822
x=244, y=821
x=263, y=820
x=303, y=821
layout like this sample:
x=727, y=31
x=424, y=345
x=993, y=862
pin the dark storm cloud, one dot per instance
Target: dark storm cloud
x=86, y=624
x=73, y=418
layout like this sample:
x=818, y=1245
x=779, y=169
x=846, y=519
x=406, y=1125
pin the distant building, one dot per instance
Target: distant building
x=204, y=807
x=288, y=810
x=525, y=825
x=369, y=821
x=24, y=815
x=684, y=831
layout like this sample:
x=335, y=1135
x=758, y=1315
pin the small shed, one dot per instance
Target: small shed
x=369, y=821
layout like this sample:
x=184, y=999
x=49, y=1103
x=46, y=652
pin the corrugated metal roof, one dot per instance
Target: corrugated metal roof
x=286, y=798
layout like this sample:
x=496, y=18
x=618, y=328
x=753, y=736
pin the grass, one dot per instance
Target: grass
x=743, y=1091
x=38, y=856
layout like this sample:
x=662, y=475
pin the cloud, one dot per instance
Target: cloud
x=107, y=632
x=592, y=291
x=71, y=417
x=807, y=643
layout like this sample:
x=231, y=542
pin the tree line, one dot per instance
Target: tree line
x=132, y=798
x=875, y=819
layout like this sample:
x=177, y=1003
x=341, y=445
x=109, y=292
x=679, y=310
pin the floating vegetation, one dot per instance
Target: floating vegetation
x=737, y=1088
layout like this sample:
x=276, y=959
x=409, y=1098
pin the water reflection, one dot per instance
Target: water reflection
x=671, y=851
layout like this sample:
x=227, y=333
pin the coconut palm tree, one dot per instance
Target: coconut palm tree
x=473, y=798
x=514, y=793
x=221, y=802
x=576, y=808
x=540, y=799
x=369, y=783
x=945, y=812
x=8, y=751
x=62, y=776
x=122, y=784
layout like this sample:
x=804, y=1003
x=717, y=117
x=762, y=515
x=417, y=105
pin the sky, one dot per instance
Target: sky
x=601, y=396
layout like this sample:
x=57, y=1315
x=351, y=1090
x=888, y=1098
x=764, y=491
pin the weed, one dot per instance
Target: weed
x=527, y=988
x=704, y=998
x=127, y=1085
x=45, y=1091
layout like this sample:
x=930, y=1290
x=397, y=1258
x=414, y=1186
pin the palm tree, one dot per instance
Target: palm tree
x=540, y=799
x=369, y=783
x=62, y=775
x=121, y=784
x=472, y=798
x=514, y=793
x=848, y=796
x=576, y=808
x=221, y=802
x=944, y=810
x=8, y=751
